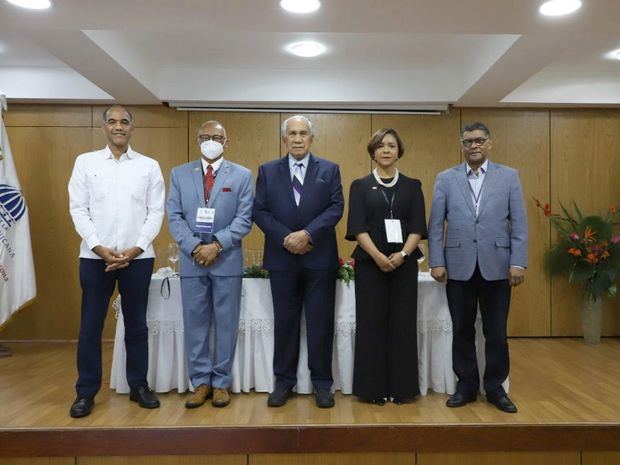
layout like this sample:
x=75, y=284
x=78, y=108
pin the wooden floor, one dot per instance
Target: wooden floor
x=567, y=392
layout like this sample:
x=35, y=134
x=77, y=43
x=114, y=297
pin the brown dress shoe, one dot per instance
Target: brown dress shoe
x=199, y=397
x=221, y=397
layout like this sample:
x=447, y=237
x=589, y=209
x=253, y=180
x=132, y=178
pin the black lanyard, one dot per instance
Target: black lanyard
x=389, y=203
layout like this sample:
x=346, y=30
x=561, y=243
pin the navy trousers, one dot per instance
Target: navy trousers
x=315, y=290
x=494, y=300
x=97, y=289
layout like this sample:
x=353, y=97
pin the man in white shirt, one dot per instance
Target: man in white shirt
x=116, y=199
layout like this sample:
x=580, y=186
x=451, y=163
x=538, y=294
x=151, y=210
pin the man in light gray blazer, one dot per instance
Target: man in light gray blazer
x=209, y=212
x=477, y=236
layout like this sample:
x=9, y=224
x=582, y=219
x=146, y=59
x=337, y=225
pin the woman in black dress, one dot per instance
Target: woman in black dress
x=387, y=219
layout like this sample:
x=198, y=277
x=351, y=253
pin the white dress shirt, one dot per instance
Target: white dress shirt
x=215, y=165
x=292, y=161
x=116, y=203
x=476, y=182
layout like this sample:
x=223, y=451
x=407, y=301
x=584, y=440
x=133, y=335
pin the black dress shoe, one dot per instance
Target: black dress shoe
x=324, y=398
x=504, y=404
x=279, y=397
x=144, y=396
x=458, y=400
x=402, y=400
x=82, y=406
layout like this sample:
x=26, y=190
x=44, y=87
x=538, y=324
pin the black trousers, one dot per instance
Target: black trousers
x=315, y=290
x=97, y=288
x=494, y=300
x=386, y=348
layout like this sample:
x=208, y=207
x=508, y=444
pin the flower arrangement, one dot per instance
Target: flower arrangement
x=255, y=271
x=346, y=272
x=587, y=249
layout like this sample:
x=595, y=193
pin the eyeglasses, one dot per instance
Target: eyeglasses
x=206, y=137
x=478, y=141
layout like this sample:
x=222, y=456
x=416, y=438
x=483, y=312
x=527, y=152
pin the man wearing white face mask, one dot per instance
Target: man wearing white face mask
x=209, y=212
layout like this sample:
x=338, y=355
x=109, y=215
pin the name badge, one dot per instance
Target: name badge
x=205, y=217
x=393, y=232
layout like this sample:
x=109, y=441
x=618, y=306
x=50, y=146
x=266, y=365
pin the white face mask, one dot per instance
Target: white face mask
x=211, y=149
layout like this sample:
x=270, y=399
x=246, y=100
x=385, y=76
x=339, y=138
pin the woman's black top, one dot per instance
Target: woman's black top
x=369, y=208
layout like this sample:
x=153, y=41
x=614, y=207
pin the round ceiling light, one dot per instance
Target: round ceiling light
x=613, y=55
x=300, y=6
x=306, y=49
x=32, y=4
x=559, y=7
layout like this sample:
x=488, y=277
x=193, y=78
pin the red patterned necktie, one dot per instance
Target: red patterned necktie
x=209, y=180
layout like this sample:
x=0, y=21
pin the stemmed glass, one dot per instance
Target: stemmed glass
x=422, y=248
x=173, y=255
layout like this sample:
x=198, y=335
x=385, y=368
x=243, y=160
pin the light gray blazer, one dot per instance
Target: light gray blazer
x=495, y=239
x=232, y=199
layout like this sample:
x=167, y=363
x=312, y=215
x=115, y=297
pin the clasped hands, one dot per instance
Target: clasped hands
x=117, y=260
x=207, y=254
x=387, y=264
x=298, y=242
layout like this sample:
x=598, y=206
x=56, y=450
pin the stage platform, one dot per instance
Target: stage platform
x=567, y=392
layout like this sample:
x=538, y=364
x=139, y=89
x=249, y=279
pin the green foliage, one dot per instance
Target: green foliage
x=255, y=271
x=587, y=250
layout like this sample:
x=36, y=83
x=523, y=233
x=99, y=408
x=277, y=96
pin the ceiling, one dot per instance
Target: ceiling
x=392, y=54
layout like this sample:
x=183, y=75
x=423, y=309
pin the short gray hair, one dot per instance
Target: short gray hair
x=284, y=128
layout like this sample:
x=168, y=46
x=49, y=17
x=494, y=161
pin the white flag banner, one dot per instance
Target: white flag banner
x=17, y=280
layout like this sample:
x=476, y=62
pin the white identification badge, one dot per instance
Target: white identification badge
x=205, y=218
x=393, y=232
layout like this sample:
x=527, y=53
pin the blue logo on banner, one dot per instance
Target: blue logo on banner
x=12, y=205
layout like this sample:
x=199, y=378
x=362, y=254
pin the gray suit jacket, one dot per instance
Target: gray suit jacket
x=232, y=199
x=495, y=239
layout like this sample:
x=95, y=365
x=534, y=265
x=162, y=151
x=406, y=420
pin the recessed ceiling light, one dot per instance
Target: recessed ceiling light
x=32, y=4
x=613, y=55
x=300, y=6
x=559, y=7
x=306, y=49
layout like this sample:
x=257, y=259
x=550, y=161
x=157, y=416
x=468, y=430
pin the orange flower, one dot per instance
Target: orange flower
x=591, y=258
x=588, y=234
x=613, y=210
x=605, y=254
x=575, y=252
x=547, y=210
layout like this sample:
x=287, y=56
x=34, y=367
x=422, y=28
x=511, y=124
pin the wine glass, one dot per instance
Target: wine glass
x=422, y=248
x=173, y=255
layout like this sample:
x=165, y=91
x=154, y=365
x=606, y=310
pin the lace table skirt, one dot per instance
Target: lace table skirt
x=252, y=368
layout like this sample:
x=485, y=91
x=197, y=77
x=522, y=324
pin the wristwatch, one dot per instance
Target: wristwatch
x=404, y=254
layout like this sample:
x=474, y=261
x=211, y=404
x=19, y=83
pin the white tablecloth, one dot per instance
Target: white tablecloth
x=252, y=368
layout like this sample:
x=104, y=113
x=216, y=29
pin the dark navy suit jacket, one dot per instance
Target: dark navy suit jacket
x=320, y=208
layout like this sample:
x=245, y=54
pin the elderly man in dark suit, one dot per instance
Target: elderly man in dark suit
x=297, y=205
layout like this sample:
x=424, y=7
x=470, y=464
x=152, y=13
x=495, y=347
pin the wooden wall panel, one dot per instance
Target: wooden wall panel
x=505, y=458
x=38, y=461
x=252, y=140
x=44, y=159
x=585, y=168
x=165, y=460
x=333, y=459
x=547, y=147
x=431, y=146
x=342, y=139
x=599, y=458
x=48, y=115
x=521, y=141
x=149, y=116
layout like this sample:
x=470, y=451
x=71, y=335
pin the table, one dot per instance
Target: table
x=252, y=368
